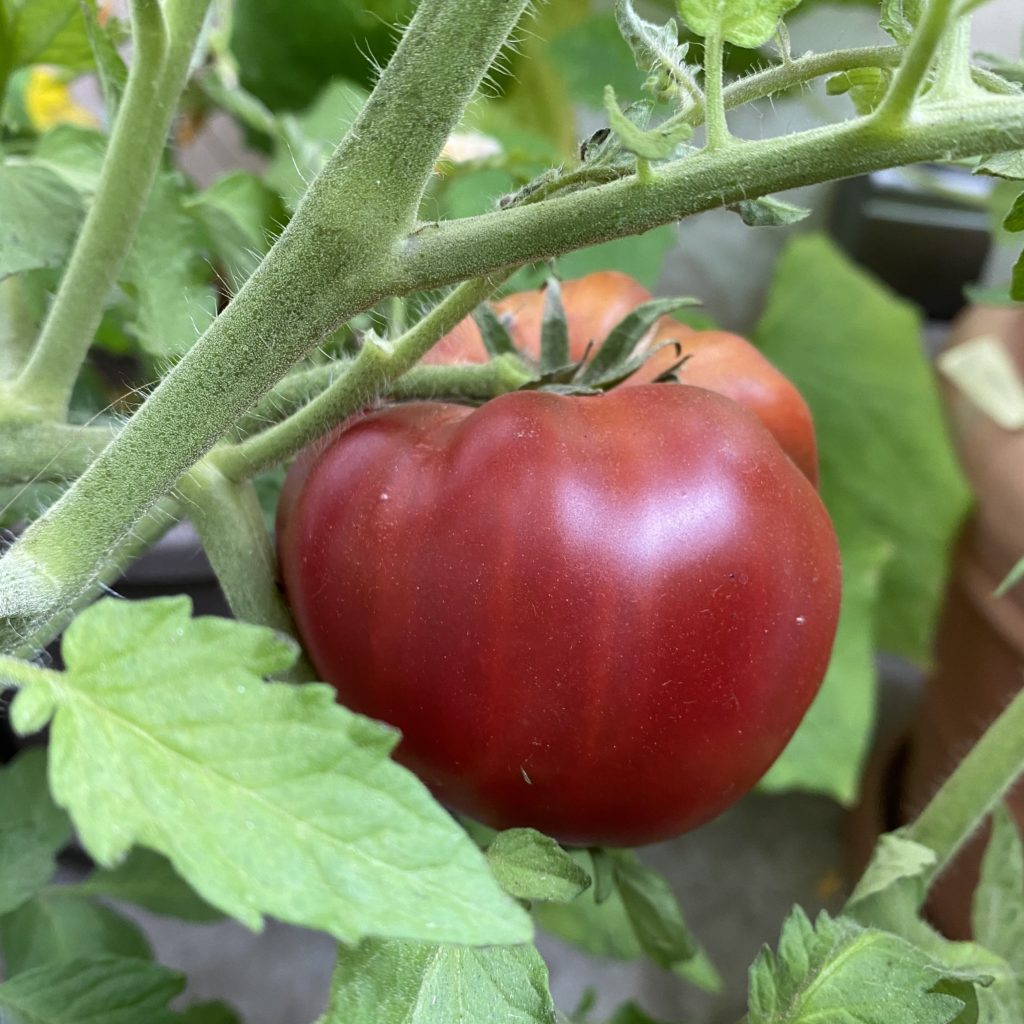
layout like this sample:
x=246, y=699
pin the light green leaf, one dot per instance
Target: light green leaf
x=867, y=87
x=241, y=216
x=417, y=983
x=768, y=212
x=892, y=887
x=652, y=144
x=532, y=866
x=1003, y=165
x=900, y=17
x=32, y=830
x=837, y=970
x=167, y=275
x=76, y=154
x=749, y=23
x=110, y=65
x=110, y=989
x=148, y=880
x=267, y=798
x=998, y=911
x=57, y=925
x=306, y=140
x=827, y=752
x=656, y=49
x=887, y=468
x=39, y=219
x=48, y=32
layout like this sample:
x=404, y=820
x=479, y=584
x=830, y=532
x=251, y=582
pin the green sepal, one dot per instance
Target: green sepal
x=554, y=329
x=768, y=212
x=496, y=338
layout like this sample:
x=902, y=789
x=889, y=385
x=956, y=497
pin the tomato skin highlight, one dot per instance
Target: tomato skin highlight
x=716, y=360
x=602, y=617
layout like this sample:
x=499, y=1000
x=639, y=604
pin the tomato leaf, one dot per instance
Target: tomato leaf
x=148, y=880
x=900, y=17
x=114, y=990
x=1014, y=219
x=837, y=969
x=76, y=154
x=887, y=468
x=749, y=23
x=627, y=334
x=283, y=783
x=768, y=212
x=496, y=338
x=656, y=49
x=1003, y=165
x=167, y=275
x=827, y=752
x=419, y=983
x=554, y=329
x=241, y=217
x=57, y=925
x=659, y=143
x=867, y=87
x=998, y=911
x=1017, y=280
x=32, y=830
x=110, y=66
x=41, y=217
x=209, y=1013
x=48, y=32
x=532, y=866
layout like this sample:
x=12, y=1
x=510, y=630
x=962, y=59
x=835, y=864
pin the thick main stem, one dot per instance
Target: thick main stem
x=336, y=258
x=157, y=76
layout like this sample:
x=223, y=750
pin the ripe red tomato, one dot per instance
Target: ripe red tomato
x=717, y=360
x=602, y=617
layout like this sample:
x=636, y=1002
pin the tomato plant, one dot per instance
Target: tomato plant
x=717, y=360
x=602, y=617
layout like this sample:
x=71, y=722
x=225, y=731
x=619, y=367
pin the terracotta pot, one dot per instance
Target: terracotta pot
x=979, y=645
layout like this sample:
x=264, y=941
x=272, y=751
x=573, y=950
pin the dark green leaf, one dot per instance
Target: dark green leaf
x=585, y=78
x=495, y=336
x=282, y=781
x=887, y=468
x=531, y=866
x=39, y=221
x=242, y=217
x=603, y=872
x=658, y=143
x=416, y=983
x=749, y=23
x=148, y=880
x=826, y=755
x=48, y=32
x=110, y=65
x=554, y=329
x=105, y=989
x=58, y=925
x=768, y=212
x=1014, y=220
x=209, y=1013
x=653, y=911
x=1017, y=280
x=627, y=334
x=837, y=970
x=167, y=275
x=1003, y=165
x=32, y=830
x=630, y=1013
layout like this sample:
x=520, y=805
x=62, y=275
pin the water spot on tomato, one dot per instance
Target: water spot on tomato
x=801, y=620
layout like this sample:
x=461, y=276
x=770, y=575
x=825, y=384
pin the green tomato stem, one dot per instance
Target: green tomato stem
x=155, y=80
x=228, y=518
x=910, y=76
x=369, y=375
x=37, y=452
x=975, y=787
x=17, y=673
x=714, y=110
x=467, y=382
x=953, y=77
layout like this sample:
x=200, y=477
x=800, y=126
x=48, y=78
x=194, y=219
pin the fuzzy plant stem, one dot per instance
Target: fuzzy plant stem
x=336, y=258
x=157, y=76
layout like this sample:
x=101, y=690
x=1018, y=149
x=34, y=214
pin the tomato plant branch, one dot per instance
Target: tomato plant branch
x=336, y=258
x=974, y=788
x=156, y=78
x=370, y=374
x=484, y=244
x=17, y=673
x=912, y=72
x=469, y=382
x=42, y=451
x=228, y=518
x=714, y=103
x=953, y=78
